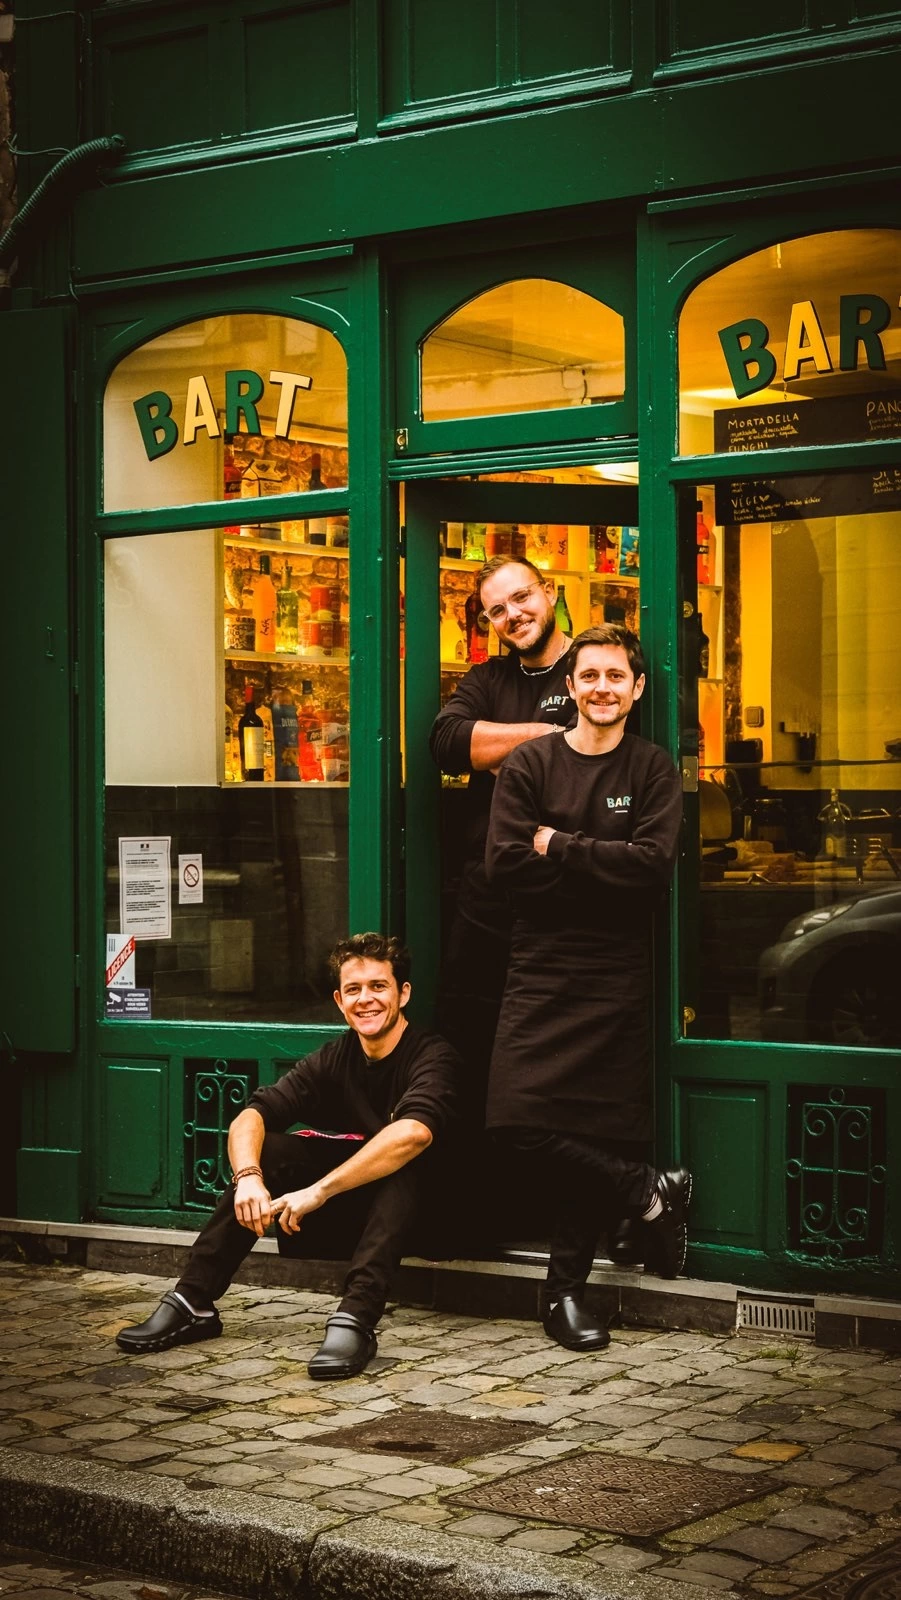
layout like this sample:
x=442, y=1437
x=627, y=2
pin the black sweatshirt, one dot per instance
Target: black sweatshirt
x=497, y=690
x=339, y=1089
x=617, y=820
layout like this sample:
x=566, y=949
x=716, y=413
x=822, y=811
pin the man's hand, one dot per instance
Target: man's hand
x=253, y=1205
x=297, y=1205
x=542, y=839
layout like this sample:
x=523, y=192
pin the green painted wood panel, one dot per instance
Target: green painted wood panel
x=695, y=25
x=37, y=975
x=577, y=37
x=297, y=64
x=722, y=1134
x=130, y=72
x=132, y=1152
x=437, y=53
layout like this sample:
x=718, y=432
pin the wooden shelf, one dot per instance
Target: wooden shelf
x=285, y=547
x=289, y=783
x=281, y=658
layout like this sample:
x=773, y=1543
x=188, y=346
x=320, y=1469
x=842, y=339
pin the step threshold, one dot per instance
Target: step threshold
x=506, y=1287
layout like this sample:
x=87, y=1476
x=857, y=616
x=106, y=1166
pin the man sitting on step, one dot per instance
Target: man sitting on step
x=387, y=1087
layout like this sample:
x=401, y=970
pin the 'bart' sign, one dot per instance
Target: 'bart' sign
x=243, y=392
x=861, y=320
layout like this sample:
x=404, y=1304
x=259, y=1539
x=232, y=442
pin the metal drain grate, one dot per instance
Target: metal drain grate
x=875, y=1577
x=766, y=1314
x=430, y=1435
x=616, y=1494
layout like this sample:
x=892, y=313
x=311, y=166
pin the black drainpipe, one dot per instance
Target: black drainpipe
x=92, y=154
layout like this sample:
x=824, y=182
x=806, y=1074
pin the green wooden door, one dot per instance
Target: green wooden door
x=427, y=506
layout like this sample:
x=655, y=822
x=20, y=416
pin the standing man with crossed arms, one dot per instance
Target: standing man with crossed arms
x=584, y=835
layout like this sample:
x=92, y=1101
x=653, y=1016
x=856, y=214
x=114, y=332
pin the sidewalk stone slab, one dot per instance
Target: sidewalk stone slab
x=763, y=1544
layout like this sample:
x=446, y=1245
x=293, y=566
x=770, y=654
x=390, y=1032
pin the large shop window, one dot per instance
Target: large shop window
x=226, y=701
x=529, y=345
x=791, y=671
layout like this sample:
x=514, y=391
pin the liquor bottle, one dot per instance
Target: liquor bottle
x=704, y=538
x=474, y=541
x=476, y=631
x=309, y=735
x=250, y=733
x=558, y=545
x=604, y=549
x=561, y=612
x=518, y=542
x=265, y=715
x=316, y=526
x=454, y=541
x=834, y=818
x=264, y=608
x=284, y=724
x=286, y=616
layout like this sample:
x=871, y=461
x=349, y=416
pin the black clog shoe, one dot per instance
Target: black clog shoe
x=572, y=1325
x=171, y=1324
x=347, y=1348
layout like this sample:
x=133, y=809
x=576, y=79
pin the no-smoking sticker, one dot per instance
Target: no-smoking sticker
x=190, y=880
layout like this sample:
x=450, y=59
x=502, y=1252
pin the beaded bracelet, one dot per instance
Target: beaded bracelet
x=246, y=1172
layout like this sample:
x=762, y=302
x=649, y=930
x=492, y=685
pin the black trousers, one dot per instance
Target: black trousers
x=591, y=1183
x=370, y=1226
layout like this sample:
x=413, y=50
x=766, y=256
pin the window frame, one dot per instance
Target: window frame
x=601, y=266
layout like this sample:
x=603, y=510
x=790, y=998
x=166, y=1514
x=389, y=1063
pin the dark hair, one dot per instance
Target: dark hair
x=371, y=947
x=608, y=633
x=495, y=564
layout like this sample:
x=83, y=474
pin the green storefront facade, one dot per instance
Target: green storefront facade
x=365, y=274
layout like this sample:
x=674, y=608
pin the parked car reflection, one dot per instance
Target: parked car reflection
x=834, y=974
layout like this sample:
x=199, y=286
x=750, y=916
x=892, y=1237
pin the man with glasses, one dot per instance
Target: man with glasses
x=500, y=704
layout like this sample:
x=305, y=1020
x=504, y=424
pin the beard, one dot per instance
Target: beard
x=539, y=644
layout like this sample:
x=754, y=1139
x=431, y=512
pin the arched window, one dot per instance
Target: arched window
x=796, y=344
x=176, y=408
x=529, y=345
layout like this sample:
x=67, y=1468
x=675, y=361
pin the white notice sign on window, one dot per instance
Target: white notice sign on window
x=144, y=891
x=190, y=880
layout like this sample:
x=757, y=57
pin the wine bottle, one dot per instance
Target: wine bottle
x=250, y=733
x=286, y=616
x=264, y=609
x=703, y=541
x=316, y=526
x=476, y=631
x=561, y=612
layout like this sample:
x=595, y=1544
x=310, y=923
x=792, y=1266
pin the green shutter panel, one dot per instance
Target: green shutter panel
x=37, y=836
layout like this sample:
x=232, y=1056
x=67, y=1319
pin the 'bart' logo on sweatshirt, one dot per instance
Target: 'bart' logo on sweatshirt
x=622, y=802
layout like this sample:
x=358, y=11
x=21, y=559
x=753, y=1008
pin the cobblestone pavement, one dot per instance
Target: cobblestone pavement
x=29, y=1575
x=241, y=1412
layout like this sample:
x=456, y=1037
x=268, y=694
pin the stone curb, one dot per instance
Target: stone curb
x=280, y=1550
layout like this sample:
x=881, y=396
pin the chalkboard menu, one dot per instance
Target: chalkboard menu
x=795, y=499
x=844, y=419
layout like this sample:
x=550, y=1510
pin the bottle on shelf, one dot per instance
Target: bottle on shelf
x=518, y=542
x=706, y=542
x=317, y=527
x=264, y=713
x=309, y=735
x=476, y=631
x=834, y=818
x=474, y=541
x=454, y=541
x=558, y=545
x=604, y=549
x=284, y=725
x=250, y=733
x=561, y=612
x=264, y=608
x=286, y=616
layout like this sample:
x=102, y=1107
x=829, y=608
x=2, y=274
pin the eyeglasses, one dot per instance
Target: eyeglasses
x=497, y=613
